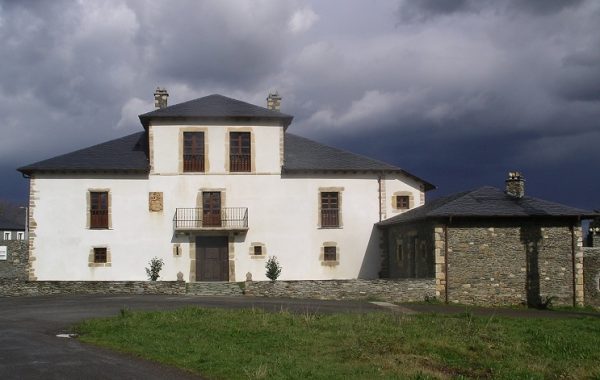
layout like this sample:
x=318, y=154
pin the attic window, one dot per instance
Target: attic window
x=257, y=250
x=402, y=202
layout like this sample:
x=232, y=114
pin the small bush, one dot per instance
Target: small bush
x=156, y=265
x=273, y=268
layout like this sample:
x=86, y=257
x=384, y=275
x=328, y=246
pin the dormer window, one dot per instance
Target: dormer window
x=193, y=151
x=239, y=152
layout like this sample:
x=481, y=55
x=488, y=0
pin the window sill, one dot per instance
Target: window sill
x=258, y=257
x=330, y=228
x=330, y=263
x=99, y=265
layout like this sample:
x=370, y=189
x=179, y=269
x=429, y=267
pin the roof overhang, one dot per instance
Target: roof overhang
x=26, y=171
x=283, y=121
x=449, y=218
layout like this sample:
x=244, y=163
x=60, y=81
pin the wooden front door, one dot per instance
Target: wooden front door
x=211, y=209
x=212, y=260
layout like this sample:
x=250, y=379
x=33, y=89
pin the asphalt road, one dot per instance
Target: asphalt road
x=30, y=349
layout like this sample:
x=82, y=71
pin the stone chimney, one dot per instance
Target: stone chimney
x=515, y=185
x=160, y=97
x=274, y=101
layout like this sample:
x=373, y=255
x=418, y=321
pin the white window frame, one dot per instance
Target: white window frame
x=20, y=235
x=7, y=235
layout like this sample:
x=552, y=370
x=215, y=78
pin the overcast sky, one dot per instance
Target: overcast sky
x=457, y=92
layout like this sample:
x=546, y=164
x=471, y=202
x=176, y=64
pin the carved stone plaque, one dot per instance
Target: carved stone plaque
x=155, y=201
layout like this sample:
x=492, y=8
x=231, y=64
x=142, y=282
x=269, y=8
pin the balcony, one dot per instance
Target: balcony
x=198, y=219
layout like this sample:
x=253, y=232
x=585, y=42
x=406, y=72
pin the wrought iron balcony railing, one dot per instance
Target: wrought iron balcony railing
x=227, y=218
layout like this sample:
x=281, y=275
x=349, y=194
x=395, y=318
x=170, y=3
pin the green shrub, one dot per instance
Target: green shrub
x=156, y=265
x=273, y=268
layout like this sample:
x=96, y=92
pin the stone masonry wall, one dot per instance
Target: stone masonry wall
x=404, y=290
x=16, y=265
x=498, y=263
x=591, y=272
x=10, y=288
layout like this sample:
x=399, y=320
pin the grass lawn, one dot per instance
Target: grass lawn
x=254, y=344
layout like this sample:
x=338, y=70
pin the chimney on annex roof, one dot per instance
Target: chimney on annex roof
x=274, y=101
x=515, y=185
x=160, y=97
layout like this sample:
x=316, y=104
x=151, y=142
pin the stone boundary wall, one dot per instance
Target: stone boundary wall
x=591, y=273
x=402, y=290
x=16, y=265
x=11, y=288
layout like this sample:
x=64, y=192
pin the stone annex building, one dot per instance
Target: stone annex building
x=488, y=246
x=212, y=186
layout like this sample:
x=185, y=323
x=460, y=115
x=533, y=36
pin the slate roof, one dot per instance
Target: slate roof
x=9, y=225
x=130, y=153
x=487, y=202
x=304, y=155
x=127, y=154
x=216, y=107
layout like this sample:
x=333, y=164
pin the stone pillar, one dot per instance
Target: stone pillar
x=579, y=288
x=440, y=262
x=33, y=197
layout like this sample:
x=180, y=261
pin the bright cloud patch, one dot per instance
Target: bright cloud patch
x=302, y=20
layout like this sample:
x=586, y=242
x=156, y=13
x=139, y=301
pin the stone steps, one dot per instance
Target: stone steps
x=214, y=289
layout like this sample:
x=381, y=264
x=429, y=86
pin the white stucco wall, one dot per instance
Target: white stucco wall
x=166, y=147
x=283, y=215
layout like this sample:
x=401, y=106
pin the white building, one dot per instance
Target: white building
x=213, y=186
x=11, y=230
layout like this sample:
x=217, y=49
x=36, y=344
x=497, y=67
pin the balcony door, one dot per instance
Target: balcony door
x=211, y=209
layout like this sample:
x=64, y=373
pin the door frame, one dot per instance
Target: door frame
x=212, y=241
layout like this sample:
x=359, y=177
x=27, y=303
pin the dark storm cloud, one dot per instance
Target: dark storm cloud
x=232, y=44
x=459, y=92
x=423, y=10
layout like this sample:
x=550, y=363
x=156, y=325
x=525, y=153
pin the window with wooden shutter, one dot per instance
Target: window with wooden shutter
x=99, y=209
x=329, y=253
x=193, y=151
x=239, y=152
x=100, y=255
x=330, y=211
